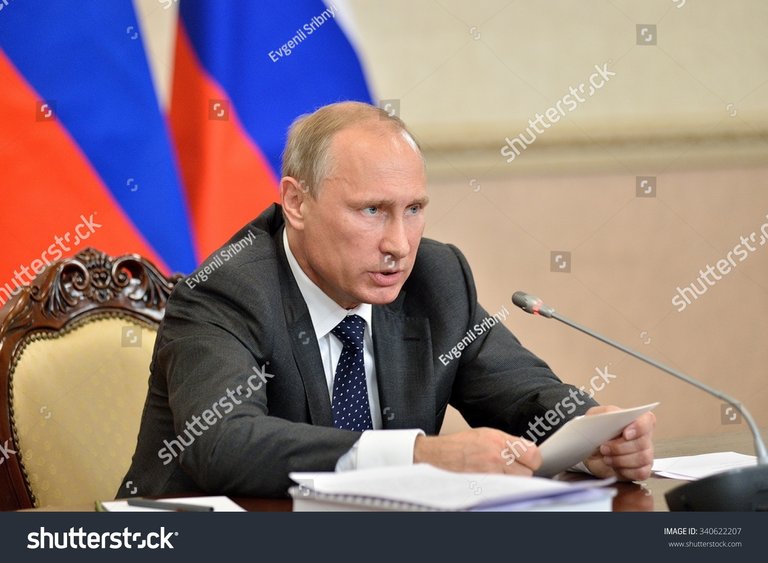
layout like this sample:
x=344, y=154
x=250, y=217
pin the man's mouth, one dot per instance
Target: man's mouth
x=387, y=278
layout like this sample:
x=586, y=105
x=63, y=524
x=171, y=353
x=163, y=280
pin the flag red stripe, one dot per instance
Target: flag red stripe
x=227, y=179
x=49, y=188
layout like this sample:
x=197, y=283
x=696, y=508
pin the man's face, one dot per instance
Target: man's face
x=361, y=233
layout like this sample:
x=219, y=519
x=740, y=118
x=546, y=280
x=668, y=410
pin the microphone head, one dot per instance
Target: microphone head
x=532, y=304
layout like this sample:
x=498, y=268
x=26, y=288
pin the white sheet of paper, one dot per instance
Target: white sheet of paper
x=579, y=437
x=219, y=504
x=692, y=467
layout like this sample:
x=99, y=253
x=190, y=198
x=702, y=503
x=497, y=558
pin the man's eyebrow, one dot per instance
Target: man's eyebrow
x=424, y=200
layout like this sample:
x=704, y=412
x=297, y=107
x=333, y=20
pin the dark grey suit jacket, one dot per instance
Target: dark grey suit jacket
x=194, y=435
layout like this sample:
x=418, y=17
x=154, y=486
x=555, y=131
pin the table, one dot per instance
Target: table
x=632, y=497
x=647, y=496
x=740, y=442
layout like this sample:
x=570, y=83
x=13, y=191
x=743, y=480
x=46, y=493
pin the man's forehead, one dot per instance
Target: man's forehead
x=372, y=131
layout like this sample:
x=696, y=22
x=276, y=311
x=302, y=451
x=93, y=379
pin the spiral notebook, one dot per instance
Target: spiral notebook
x=423, y=487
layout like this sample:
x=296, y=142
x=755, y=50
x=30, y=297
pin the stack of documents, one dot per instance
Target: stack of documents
x=423, y=487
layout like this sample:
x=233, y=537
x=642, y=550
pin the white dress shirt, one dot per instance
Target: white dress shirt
x=376, y=447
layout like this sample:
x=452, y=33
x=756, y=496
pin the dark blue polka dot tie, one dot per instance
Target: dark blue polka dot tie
x=351, y=410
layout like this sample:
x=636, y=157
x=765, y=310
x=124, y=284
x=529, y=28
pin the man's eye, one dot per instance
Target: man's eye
x=372, y=210
x=414, y=209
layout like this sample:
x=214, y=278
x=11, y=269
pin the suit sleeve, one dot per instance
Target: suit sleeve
x=216, y=365
x=501, y=384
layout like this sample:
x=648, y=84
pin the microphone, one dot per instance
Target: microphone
x=532, y=305
x=743, y=489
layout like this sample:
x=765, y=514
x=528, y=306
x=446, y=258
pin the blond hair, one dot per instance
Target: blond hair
x=306, y=155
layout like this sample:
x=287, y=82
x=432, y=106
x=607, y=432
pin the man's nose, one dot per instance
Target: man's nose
x=395, y=241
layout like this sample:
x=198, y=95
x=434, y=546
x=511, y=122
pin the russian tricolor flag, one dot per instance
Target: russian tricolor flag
x=90, y=159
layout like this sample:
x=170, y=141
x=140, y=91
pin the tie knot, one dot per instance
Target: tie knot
x=350, y=331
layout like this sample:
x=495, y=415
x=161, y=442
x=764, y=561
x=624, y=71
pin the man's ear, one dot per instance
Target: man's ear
x=293, y=194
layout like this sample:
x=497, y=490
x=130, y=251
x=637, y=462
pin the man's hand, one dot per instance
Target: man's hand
x=479, y=450
x=629, y=456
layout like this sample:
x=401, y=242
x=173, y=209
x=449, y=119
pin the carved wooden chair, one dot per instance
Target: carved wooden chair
x=75, y=348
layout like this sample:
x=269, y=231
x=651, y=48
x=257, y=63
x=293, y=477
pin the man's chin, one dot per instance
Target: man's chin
x=381, y=295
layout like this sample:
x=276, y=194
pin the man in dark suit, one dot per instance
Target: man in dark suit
x=328, y=334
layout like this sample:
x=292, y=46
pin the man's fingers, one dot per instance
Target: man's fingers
x=526, y=461
x=635, y=445
x=643, y=425
x=624, y=468
x=634, y=473
x=635, y=459
x=630, y=455
x=620, y=446
x=528, y=456
x=518, y=469
x=636, y=464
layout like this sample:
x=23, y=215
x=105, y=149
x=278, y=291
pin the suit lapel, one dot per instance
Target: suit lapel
x=404, y=370
x=303, y=342
x=406, y=385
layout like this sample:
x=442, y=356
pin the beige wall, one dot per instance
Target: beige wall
x=629, y=255
x=691, y=111
x=469, y=74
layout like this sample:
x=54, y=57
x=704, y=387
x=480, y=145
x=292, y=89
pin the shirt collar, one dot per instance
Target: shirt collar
x=324, y=311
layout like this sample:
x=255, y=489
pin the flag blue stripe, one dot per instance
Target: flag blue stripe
x=233, y=41
x=87, y=57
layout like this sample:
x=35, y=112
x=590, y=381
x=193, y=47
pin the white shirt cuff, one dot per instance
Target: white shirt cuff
x=379, y=448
